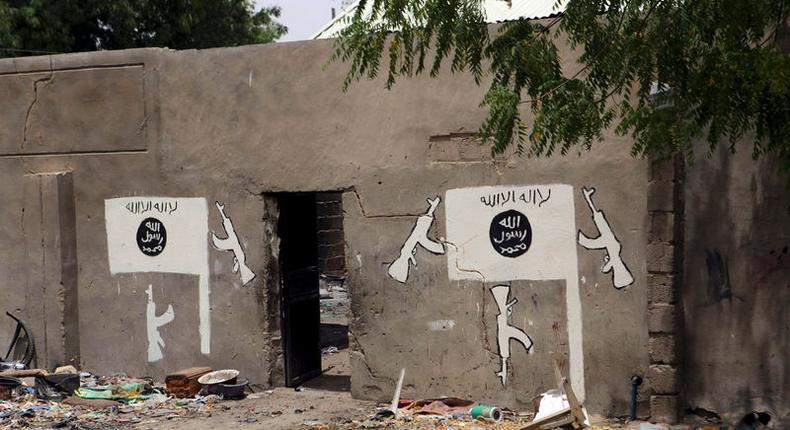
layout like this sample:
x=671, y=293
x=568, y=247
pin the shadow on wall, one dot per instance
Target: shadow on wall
x=736, y=285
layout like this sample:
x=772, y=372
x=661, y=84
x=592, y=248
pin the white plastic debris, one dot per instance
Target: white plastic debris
x=553, y=401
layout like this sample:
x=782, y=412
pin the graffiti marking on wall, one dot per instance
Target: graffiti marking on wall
x=182, y=226
x=141, y=206
x=231, y=243
x=519, y=232
x=399, y=269
x=510, y=233
x=151, y=237
x=504, y=237
x=613, y=261
x=155, y=341
x=534, y=195
x=719, y=287
x=505, y=331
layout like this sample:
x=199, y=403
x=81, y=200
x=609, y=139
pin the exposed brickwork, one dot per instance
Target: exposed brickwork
x=331, y=242
x=663, y=348
x=663, y=408
x=661, y=289
x=663, y=378
x=460, y=147
x=662, y=227
x=660, y=257
x=661, y=318
x=664, y=264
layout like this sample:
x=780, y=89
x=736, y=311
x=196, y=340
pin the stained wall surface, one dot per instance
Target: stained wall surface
x=167, y=142
x=737, y=286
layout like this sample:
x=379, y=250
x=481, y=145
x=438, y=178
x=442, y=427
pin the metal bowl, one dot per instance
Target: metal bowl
x=228, y=391
x=227, y=376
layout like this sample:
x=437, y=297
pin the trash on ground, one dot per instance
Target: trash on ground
x=184, y=383
x=330, y=350
x=224, y=383
x=559, y=407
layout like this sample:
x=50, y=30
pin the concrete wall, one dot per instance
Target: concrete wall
x=164, y=128
x=737, y=327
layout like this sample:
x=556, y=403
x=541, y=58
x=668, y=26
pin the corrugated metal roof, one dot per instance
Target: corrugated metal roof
x=495, y=11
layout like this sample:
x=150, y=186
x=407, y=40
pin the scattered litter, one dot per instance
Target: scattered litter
x=330, y=350
x=7, y=385
x=559, y=407
x=486, y=412
x=66, y=369
x=650, y=426
x=184, y=383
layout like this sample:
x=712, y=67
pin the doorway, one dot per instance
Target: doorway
x=314, y=304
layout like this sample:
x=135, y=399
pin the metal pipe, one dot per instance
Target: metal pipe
x=636, y=381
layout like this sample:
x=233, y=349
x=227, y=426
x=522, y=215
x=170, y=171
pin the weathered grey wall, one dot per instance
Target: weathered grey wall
x=230, y=124
x=737, y=286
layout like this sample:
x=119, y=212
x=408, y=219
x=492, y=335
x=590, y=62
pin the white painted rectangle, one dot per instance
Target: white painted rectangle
x=185, y=221
x=471, y=251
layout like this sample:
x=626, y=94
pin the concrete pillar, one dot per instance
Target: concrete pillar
x=664, y=267
x=51, y=305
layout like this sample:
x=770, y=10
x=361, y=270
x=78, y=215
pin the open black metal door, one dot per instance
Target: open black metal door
x=301, y=315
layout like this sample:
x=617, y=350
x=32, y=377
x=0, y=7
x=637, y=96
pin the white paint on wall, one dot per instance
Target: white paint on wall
x=519, y=232
x=399, y=269
x=153, y=322
x=606, y=240
x=441, y=325
x=231, y=243
x=505, y=331
x=546, y=229
x=175, y=242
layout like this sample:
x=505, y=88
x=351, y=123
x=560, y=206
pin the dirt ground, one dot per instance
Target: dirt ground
x=283, y=409
x=317, y=409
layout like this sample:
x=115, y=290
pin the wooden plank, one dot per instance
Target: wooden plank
x=576, y=407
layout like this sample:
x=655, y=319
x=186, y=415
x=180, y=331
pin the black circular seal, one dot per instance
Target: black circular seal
x=151, y=237
x=510, y=233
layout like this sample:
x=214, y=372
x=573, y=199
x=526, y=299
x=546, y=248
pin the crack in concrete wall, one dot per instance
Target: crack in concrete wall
x=362, y=358
x=353, y=189
x=47, y=80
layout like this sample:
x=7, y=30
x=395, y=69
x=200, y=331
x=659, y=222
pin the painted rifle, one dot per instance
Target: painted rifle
x=231, y=243
x=613, y=261
x=399, y=269
x=505, y=331
x=153, y=322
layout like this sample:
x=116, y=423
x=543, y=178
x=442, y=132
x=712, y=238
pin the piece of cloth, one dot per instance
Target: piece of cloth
x=443, y=406
x=128, y=391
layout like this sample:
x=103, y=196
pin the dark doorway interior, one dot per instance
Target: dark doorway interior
x=299, y=282
x=314, y=301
